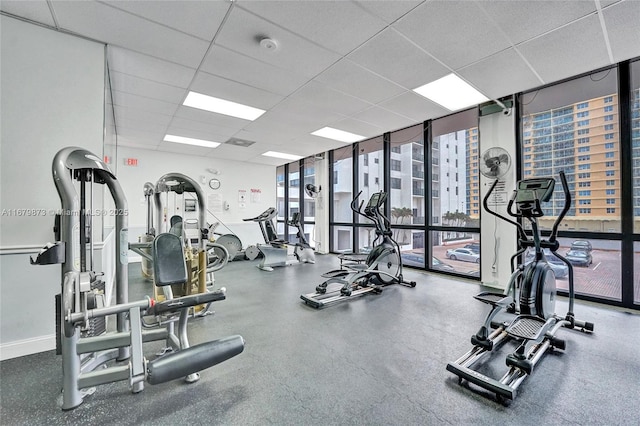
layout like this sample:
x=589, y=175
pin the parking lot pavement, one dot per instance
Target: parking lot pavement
x=602, y=278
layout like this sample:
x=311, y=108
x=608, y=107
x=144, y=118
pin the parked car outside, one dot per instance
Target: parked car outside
x=412, y=259
x=579, y=257
x=581, y=245
x=559, y=268
x=440, y=265
x=463, y=254
x=475, y=247
x=417, y=260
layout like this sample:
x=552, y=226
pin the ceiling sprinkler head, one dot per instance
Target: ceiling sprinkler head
x=269, y=44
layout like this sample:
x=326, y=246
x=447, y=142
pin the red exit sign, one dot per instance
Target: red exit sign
x=131, y=162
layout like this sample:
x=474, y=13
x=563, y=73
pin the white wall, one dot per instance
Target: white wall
x=233, y=175
x=498, y=239
x=52, y=96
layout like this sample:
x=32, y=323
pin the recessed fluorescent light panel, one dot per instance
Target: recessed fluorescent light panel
x=190, y=141
x=451, y=92
x=282, y=155
x=337, y=135
x=221, y=106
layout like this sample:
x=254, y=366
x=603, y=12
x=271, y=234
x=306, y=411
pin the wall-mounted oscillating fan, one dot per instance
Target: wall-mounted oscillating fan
x=312, y=191
x=495, y=163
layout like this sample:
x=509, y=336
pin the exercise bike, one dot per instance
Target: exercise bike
x=275, y=251
x=383, y=265
x=525, y=312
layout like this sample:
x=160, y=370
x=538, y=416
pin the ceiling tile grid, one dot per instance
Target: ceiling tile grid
x=351, y=65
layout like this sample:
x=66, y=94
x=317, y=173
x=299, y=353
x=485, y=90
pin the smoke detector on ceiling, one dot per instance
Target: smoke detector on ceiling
x=269, y=44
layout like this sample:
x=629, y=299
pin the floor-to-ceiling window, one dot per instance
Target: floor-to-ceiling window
x=293, y=204
x=407, y=193
x=574, y=127
x=634, y=107
x=309, y=204
x=371, y=172
x=586, y=127
x=454, y=204
x=281, y=190
x=341, y=180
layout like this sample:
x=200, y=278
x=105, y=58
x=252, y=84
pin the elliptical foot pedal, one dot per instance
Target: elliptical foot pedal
x=339, y=273
x=526, y=327
x=494, y=299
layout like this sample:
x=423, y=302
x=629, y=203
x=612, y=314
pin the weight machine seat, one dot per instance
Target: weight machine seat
x=169, y=267
x=175, y=219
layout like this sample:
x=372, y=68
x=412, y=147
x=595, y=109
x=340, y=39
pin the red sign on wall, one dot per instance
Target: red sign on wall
x=131, y=162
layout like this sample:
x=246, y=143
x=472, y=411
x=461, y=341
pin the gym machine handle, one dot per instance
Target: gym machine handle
x=565, y=209
x=174, y=305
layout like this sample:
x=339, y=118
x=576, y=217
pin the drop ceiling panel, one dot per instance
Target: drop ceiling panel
x=389, y=11
x=113, y=26
x=233, y=153
x=198, y=18
x=263, y=139
x=568, y=51
x=358, y=127
x=147, y=88
x=140, y=136
x=139, y=115
x=501, y=74
x=154, y=128
x=141, y=102
x=340, y=26
x=324, y=97
x=134, y=143
x=404, y=63
x=197, y=130
x=36, y=10
x=623, y=26
x=180, y=148
x=144, y=66
x=456, y=32
x=414, y=106
x=242, y=33
x=523, y=20
x=384, y=118
x=357, y=81
x=210, y=118
x=231, y=65
x=218, y=87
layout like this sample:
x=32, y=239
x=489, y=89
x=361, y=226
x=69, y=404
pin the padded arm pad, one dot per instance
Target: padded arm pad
x=174, y=305
x=193, y=359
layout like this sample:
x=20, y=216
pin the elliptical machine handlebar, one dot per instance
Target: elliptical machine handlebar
x=357, y=208
x=565, y=209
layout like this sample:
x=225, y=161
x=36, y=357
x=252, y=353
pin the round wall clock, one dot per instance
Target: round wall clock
x=214, y=184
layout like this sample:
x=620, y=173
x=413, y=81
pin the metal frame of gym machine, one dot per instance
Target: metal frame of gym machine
x=525, y=311
x=275, y=252
x=383, y=264
x=82, y=339
x=180, y=184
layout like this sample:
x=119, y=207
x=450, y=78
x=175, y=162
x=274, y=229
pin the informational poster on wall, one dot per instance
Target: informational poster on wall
x=255, y=195
x=214, y=203
x=499, y=196
x=242, y=198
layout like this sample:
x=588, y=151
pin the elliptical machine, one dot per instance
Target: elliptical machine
x=275, y=252
x=525, y=312
x=382, y=267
